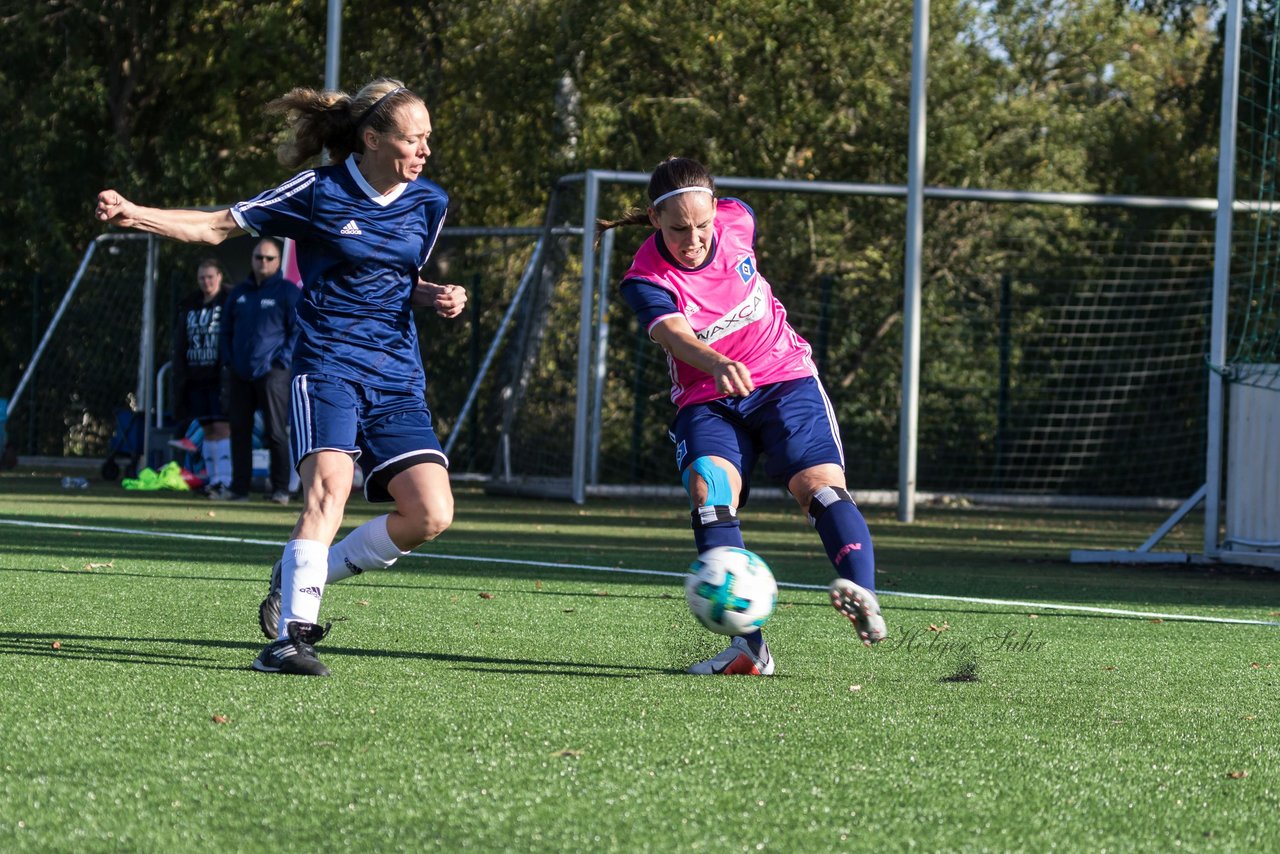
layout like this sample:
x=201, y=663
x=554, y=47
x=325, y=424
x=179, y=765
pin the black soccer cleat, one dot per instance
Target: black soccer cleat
x=269, y=610
x=294, y=654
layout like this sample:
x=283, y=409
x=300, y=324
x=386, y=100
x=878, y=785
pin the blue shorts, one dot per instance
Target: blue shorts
x=386, y=432
x=791, y=423
x=204, y=402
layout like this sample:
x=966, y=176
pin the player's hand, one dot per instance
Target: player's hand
x=733, y=379
x=447, y=300
x=112, y=208
x=450, y=300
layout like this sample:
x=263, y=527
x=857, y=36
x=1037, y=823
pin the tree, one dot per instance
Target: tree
x=163, y=100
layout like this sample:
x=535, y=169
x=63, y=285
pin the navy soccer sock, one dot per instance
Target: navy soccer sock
x=724, y=529
x=845, y=536
x=718, y=533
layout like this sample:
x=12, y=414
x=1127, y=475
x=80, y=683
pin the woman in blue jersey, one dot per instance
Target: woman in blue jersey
x=744, y=385
x=363, y=227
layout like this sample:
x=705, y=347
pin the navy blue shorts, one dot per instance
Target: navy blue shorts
x=385, y=432
x=204, y=402
x=791, y=423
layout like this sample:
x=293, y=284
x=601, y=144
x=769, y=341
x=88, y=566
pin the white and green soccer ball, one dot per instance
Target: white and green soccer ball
x=730, y=590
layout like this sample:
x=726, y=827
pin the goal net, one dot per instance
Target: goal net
x=1254, y=338
x=1061, y=345
x=97, y=371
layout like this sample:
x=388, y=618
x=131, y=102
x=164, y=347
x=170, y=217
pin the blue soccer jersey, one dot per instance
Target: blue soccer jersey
x=358, y=254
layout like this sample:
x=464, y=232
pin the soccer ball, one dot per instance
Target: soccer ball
x=730, y=590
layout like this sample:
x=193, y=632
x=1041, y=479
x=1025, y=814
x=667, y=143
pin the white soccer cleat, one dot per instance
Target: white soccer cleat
x=861, y=607
x=736, y=660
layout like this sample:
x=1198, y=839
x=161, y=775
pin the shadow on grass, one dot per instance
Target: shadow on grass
x=529, y=666
x=186, y=652
x=112, y=572
x=168, y=652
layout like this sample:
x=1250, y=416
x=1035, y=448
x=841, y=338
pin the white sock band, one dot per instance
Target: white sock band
x=367, y=547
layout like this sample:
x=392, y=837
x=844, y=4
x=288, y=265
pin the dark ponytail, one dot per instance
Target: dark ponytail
x=674, y=173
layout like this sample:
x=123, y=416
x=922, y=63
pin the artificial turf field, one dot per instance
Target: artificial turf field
x=482, y=704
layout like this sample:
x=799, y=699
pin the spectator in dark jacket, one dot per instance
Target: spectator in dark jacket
x=258, y=333
x=197, y=364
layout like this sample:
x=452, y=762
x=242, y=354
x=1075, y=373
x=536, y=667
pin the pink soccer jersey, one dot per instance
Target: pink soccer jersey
x=730, y=307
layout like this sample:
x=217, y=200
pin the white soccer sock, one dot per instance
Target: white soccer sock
x=217, y=461
x=302, y=579
x=367, y=547
x=222, y=452
x=210, y=451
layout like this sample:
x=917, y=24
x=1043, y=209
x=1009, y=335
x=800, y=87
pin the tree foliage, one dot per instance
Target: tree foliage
x=163, y=100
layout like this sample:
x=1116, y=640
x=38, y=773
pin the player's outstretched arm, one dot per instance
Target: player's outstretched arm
x=188, y=226
x=676, y=336
x=447, y=300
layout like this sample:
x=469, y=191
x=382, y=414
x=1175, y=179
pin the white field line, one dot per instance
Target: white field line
x=973, y=600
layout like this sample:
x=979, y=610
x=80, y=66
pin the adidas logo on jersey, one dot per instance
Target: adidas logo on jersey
x=351, y=228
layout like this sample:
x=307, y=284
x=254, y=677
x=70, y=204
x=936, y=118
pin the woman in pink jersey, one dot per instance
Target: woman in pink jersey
x=745, y=385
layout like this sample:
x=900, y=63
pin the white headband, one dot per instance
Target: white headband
x=666, y=196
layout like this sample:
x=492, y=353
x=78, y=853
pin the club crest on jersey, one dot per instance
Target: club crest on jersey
x=746, y=269
x=691, y=308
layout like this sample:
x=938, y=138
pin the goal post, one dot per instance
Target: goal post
x=1228, y=107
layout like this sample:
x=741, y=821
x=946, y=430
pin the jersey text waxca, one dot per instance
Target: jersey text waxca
x=729, y=305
